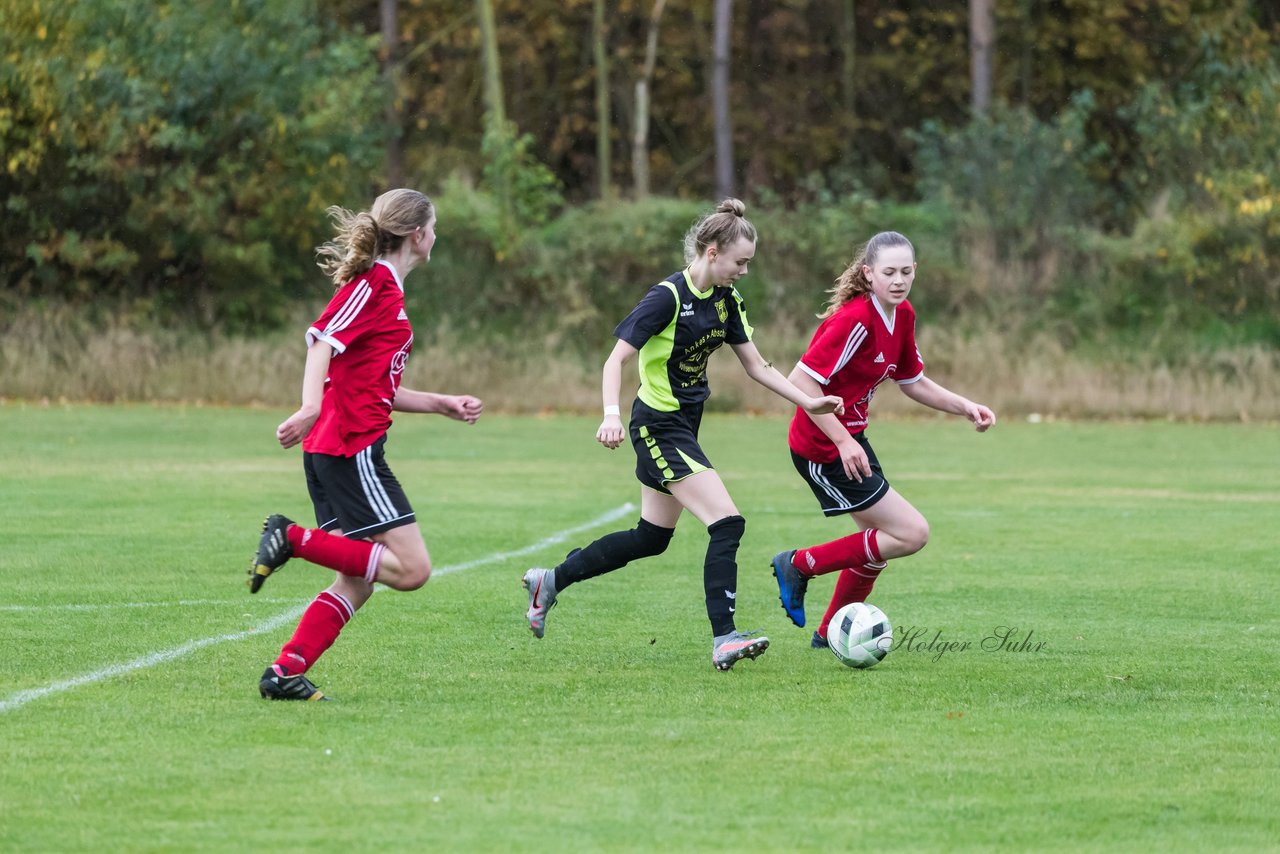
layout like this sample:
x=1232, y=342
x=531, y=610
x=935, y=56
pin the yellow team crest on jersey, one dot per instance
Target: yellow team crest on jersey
x=722, y=311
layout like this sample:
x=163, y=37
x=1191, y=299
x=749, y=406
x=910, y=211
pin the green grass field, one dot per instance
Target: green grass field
x=1142, y=556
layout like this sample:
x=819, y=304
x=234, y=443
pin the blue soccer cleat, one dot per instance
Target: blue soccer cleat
x=791, y=586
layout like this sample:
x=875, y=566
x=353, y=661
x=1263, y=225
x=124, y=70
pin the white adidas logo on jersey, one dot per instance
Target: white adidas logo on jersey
x=402, y=315
x=879, y=358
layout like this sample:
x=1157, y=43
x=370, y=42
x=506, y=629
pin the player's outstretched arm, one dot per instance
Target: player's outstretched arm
x=927, y=392
x=459, y=407
x=768, y=376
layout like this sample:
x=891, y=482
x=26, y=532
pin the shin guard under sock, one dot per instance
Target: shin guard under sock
x=853, y=550
x=853, y=585
x=316, y=632
x=357, y=558
x=720, y=573
x=613, y=551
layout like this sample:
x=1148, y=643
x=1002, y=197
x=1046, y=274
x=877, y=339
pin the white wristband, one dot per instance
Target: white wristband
x=612, y=409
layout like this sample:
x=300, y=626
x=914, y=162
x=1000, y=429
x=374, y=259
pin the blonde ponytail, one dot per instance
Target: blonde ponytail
x=362, y=238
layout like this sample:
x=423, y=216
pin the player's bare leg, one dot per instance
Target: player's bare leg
x=405, y=564
x=902, y=530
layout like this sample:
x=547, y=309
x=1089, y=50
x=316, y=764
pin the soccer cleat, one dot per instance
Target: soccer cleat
x=277, y=684
x=791, y=586
x=541, y=584
x=273, y=550
x=819, y=642
x=735, y=646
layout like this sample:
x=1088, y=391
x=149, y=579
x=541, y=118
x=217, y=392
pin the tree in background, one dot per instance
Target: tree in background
x=723, y=130
x=182, y=159
x=848, y=66
x=494, y=102
x=391, y=73
x=179, y=156
x=1209, y=170
x=1020, y=186
x=600, y=55
x=640, y=140
x=982, y=39
x=526, y=190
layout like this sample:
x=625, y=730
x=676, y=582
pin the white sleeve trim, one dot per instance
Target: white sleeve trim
x=910, y=380
x=811, y=372
x=314, y=335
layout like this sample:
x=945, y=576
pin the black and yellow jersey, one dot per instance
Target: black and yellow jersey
x=676, y=328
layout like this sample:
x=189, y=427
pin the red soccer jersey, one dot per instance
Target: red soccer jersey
x=366, y=325
x=853, y=351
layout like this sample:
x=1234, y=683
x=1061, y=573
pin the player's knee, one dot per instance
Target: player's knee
x=729, y=528
x=414, y=574
x=915, y=535
x=651, y=539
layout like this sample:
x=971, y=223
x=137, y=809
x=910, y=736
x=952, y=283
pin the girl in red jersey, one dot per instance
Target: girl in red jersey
x=356, y=354
x=867, y=336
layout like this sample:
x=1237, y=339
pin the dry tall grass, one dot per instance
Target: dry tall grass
x=1035, y=375
x=65, y=358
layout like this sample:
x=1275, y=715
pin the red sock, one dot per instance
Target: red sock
x=316, y=632
x=357, y=558
x=853, y=585
x=866, y=576
x=853, y=550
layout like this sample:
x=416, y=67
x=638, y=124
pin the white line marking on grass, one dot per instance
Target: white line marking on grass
x=105, y=606
x=152, y=659
x=615, y=513
x=23, y=697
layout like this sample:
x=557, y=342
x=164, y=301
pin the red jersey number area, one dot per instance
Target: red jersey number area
x=852, y=352
x=367, y=327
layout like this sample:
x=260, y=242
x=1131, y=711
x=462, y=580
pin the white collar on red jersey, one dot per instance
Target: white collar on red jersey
x=396, y=273
x=887, y=318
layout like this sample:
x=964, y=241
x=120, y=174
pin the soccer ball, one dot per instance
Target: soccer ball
x=860, y=635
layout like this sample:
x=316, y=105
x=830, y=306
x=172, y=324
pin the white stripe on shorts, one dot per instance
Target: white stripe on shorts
x=816, y=475
x=374, y=492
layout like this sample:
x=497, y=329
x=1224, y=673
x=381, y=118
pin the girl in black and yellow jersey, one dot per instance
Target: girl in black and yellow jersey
x=676, y=327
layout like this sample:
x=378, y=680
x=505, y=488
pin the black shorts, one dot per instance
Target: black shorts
x=358, y=494
x=835, y=490
x=666, y=444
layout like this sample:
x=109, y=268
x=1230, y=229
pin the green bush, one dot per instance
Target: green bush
x=1211, y=246
x=178, y=154
x=570, y=281
x=1019, y=187
x=567, y=282
x=804, y=249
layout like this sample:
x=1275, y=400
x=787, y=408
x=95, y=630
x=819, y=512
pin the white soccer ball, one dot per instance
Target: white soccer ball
x=860, y=635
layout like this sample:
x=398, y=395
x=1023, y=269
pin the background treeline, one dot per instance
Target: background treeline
x=167, y=165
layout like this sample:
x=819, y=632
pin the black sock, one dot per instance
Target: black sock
x=611, y=552
x=720, y=573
